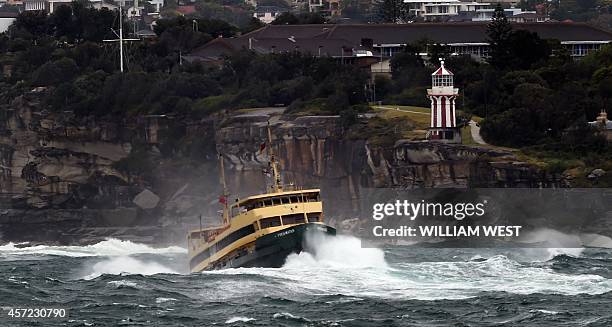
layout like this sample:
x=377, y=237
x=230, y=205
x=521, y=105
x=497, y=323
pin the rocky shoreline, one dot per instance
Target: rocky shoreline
x=71, y=179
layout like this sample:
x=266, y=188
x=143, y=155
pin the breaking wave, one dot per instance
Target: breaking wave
x=127, y=266
x=341, y=266
x=109, y=247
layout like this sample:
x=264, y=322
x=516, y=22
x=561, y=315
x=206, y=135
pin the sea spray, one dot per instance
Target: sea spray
x=127, y=266
x=502, y=289
x=549, y=243
x=337, y=251
x=340, y=266
x=109, y=247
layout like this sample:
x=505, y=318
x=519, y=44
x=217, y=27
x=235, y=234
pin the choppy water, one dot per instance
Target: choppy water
x=121, y=283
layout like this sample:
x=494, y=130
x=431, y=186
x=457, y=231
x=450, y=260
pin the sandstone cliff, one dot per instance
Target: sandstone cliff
x=90, y=177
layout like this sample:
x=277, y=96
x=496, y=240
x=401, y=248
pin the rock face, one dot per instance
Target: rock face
x=425, y=164
x=88, y=175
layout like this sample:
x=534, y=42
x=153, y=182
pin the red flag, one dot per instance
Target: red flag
x=222, y=200
x=262, y=147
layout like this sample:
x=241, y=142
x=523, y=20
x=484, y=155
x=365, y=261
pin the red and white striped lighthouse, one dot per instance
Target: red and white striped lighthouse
x=442, y=96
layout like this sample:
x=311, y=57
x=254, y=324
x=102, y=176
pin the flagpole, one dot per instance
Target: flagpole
x=121, y=36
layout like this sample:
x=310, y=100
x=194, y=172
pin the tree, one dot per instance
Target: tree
x=253, y=24
x=526, y=49
x=33, y=22
x=406, y=60
x=55, y=72
x=498, y=33
x=393, y=11
x=288, y=18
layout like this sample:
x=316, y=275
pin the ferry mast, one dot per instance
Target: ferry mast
x=277, y=185
x=224, y=197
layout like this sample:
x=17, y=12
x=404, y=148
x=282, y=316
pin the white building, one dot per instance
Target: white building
x=158, y=4
x=514, y=15
x=46, y=5
x=6, y=19
x=433, y=9
x=267, y=14
x=99, y=4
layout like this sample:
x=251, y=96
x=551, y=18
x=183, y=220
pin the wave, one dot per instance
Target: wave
x=238, y=319
x=341, y=267
x=126, y=266
x=109, y=247
x=337, y=251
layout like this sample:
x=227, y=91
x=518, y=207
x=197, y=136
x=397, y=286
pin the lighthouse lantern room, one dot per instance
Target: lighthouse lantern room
x=442, y=95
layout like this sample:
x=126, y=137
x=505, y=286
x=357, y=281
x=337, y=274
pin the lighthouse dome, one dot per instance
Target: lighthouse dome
x=442, y=76
x=442, y=70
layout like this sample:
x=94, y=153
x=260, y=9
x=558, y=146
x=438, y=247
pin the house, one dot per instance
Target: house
x=514, y=15
x=442, y=9
x=146, y=34
x=347, y=42
x=186, y=10
x=46, y=5
x=99, y=4
x=325, y=7
x=6, y=19
x=603, y=124
x=267, y=14
x=158, y=4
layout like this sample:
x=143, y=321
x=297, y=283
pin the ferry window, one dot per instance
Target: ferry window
x=293, y=219
x=285, y=200
x=268, y=202
x=270, y=222
x=314, y=197
x=276, y=201
x=233, y=237
x=314, y=217
x=295, y=199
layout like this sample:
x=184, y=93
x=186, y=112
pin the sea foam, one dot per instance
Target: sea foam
x=127, y=266
x=109, y=247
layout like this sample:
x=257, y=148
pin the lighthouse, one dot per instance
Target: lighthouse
x=442, y=95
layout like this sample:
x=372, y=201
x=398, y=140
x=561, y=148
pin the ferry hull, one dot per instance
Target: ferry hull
x=272, y=249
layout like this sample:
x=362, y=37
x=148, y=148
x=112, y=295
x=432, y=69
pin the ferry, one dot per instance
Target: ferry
x=260, y=230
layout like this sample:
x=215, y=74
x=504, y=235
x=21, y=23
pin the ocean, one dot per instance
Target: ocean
x=120, y=283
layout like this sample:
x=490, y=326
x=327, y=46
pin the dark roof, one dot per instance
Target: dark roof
x=264, y=9
x=8, y=14
x=528, y=15
x=331, y=38
x=470, y=32
x=328, y=47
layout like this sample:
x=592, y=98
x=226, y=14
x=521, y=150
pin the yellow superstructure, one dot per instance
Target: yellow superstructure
x=253, y=218
x=257, y=223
